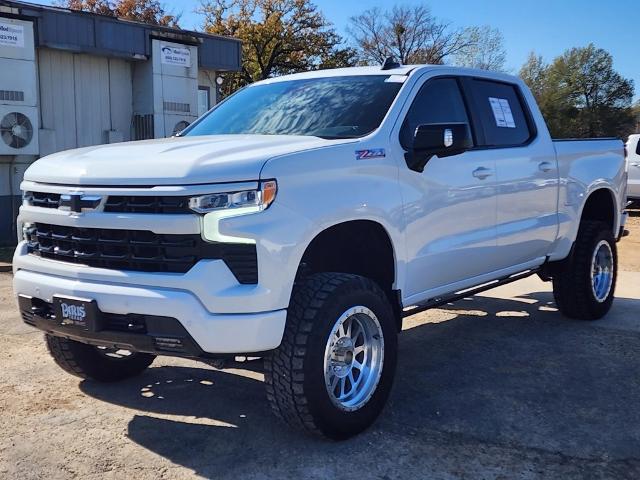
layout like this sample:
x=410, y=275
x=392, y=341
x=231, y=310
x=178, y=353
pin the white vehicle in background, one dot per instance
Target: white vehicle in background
x=302, y=218
x=633, y=159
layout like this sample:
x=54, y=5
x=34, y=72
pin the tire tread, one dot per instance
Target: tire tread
x=284, y=368
x=570, y=288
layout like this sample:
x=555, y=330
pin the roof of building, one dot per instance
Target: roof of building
x=84, y=32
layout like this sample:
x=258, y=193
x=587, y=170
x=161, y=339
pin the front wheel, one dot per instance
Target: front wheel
x=96, y=363
x=584, y=284
x=334, y=369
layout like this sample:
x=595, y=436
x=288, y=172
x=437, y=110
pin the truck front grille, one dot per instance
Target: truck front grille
x=121, y=203
x=139, y=250
x=44, y=199
x=129, y=204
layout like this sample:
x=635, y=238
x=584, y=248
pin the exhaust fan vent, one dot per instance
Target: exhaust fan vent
x=11, y=95
x=177, y=107
x=16, y=130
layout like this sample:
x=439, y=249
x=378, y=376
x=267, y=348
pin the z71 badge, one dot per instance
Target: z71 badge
x=370, y=153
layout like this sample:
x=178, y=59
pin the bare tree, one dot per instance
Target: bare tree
x=484, y=49
x=409, y=34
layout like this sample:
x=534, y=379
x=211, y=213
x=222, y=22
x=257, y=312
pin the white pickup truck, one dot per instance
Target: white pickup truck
x=633, y=160
x=302, y=218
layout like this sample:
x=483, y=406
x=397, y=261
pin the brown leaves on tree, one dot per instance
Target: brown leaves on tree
x=278, y=37
x=145, y=11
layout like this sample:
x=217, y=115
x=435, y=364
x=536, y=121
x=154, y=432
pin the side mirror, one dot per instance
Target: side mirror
x=440, y=139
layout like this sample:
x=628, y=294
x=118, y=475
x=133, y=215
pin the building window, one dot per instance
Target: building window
x=204, y=102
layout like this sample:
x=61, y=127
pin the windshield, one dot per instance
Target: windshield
x=330, y=107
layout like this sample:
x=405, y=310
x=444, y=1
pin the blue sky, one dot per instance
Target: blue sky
x=548, y=27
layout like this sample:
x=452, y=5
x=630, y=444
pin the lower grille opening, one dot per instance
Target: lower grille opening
x=139, y=250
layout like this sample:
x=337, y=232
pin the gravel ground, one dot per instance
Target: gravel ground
x=497, y=386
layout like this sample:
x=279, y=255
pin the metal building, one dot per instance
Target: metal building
x=72, y=79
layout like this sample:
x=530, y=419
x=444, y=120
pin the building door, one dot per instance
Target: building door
x=204, y=101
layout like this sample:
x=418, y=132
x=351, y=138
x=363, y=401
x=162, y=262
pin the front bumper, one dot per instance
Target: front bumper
x=205, y=333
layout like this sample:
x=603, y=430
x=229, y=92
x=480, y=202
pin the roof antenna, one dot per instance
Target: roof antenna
x=390, y=63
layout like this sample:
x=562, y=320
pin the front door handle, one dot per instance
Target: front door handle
x=635, y=164
x=545, y=166
x=482, y=173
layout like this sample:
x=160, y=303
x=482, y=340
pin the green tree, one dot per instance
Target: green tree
x=580, y=94
x=278, y=37
x=553, y=103
x=636, y=116
x=146, y=11
x=484, y=49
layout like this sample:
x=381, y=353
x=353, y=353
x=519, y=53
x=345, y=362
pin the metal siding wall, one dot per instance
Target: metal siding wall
x=120, y=37
x=57, y=100
x=7, y=204
x=60, y=28
x=92, y=99
x=95, y=34
x=120, y=89
x=220, y=54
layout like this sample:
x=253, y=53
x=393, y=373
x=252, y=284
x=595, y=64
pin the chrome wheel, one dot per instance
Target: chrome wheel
x=602, y=271
x=353, y=360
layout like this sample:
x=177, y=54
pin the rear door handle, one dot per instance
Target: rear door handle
x=545, y=166
x=635, y=164
x=482, y=173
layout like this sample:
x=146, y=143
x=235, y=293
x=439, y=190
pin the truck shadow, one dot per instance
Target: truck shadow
x=484, y=379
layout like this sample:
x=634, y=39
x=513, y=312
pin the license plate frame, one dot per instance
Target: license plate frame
x=78, y=313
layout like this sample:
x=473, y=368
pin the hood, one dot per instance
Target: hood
x=169, y=161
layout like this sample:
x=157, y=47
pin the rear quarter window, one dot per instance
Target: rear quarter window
x=501, y=114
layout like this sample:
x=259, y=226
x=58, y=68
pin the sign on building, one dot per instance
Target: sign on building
x=11, y=35
x=175, y=56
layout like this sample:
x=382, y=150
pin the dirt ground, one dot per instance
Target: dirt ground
x=629, y=248
x=498, y=386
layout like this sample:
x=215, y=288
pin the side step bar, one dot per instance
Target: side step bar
x=468, y=292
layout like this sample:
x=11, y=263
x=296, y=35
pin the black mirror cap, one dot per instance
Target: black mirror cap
x=439, y=139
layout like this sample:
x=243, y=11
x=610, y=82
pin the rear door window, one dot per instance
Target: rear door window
x=500, y=112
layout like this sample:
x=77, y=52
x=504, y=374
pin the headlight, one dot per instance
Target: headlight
x=248, y=200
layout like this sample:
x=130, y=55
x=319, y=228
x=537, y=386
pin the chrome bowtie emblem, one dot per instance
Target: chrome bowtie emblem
x=76, y=202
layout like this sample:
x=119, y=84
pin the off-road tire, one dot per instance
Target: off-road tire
x=572, y=288
x=85, y=361
x=294, y=374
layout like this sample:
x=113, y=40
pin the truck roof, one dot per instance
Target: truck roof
x=404, y=70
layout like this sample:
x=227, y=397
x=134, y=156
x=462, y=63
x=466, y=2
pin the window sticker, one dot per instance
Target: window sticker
x=502, y=112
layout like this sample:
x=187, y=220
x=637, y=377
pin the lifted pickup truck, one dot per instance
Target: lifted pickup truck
x=633, y=160
x=302, y=218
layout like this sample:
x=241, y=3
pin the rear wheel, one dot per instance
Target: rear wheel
x=584, y=283
x=96, y=363
x=333, y=372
